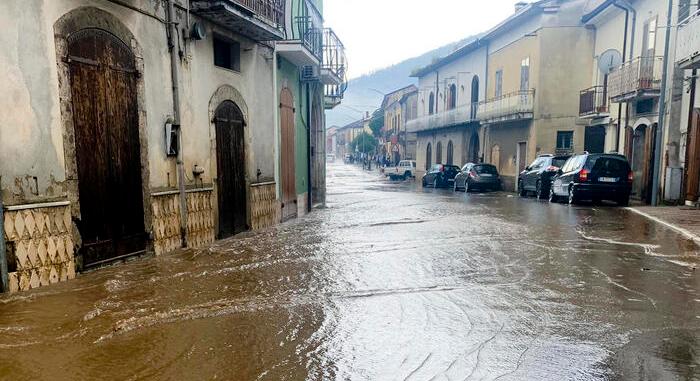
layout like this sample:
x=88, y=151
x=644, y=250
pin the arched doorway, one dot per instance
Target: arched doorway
x=642, y=159
x=496, y=156
x=230, y=164
x=438, y=153
x=288, y=155
x=108, y=152
x=474, y=148
x=428, y=157
x=450, y=153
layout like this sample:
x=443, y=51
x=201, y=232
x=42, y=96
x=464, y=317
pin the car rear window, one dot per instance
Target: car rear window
x=609, y=164
x=559, y=161
x=451, y=168
x=490, y=169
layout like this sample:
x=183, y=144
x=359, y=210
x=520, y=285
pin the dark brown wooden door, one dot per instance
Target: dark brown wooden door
x=230, y=160
x=108, y=152
x=693, y=167
x=289, y=193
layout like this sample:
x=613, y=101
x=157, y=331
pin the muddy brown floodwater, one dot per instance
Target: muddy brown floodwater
x=389, y=282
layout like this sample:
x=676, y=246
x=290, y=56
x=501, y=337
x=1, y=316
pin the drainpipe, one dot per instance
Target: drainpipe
x=662, y=111
x=309, y=188
x=627, y=8
x=175, y=74
x=3, y=252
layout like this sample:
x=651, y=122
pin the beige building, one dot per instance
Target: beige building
x=538, y=61
x=398, y=106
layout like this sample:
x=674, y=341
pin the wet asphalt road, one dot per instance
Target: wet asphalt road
x=389, y=282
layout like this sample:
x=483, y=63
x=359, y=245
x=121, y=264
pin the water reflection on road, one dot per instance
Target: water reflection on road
x=388, y=282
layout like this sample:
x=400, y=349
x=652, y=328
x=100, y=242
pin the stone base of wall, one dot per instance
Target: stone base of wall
x=302, y=204
x=201, y=229
x=264, y=207
x=166, y=220
x=39, y=245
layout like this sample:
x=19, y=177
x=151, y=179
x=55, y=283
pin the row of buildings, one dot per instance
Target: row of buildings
x=132, y=126
x=565, y=76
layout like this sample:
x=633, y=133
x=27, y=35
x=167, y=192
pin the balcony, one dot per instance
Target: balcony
x=334, y=63
x=636, y=79
x=456, y=116
x=259, y=20
x=333, y=95
x=518, y=105
x=593, y=102
x=688, y=45
x=306, y=45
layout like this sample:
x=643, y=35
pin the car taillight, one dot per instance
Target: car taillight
x=552, y=168
x=630, y=176
x=472, y=174
x=583, y=175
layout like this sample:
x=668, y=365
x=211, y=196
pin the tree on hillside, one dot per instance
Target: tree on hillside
x=364, y=143
x=377, y=122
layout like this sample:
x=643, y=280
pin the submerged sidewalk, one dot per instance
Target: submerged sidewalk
x=683, y=219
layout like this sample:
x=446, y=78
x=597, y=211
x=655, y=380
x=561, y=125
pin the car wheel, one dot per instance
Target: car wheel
x=521, y=189
x=455, y=186
x=552, y=196
x=540, y=191
x=572, y=196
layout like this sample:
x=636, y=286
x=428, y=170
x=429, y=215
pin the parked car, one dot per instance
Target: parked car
x=593, y=177
x=478, y=176
x=440, y=175
x=405, y=170
x=537, y=177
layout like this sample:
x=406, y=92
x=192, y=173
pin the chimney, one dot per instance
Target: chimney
x=519, y=6
x=367, y=114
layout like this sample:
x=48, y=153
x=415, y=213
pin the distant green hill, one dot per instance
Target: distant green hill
x=359, y=98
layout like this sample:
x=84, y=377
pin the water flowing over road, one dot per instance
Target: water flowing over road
x=388, y=282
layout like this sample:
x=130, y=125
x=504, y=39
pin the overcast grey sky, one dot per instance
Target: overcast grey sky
x=379, y=33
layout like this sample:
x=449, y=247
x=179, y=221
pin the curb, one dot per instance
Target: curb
x=668, y=225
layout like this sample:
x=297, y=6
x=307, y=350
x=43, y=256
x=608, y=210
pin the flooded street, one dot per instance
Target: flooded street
x=389, y=282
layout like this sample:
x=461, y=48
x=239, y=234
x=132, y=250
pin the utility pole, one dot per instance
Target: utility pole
x=662, y=112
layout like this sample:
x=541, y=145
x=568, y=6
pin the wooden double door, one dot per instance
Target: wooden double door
x=107, y=146
x=231, y=174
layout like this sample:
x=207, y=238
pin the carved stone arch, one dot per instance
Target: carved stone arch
x=72, y=22
x=228, y=93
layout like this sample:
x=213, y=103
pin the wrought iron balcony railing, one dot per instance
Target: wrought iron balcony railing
x=333, y=95
x=688, y=46
x=309, y=35
x=593, y=102
x=459, y=115
x=334, y=62
x=511, y=106
x=639, y=78
x=260, y=20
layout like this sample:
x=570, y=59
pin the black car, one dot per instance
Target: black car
x=440, y=175
x=537, y=177
x=593, y=177
x=478, y=176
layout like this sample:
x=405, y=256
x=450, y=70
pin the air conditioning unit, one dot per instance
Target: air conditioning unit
x=310, y=73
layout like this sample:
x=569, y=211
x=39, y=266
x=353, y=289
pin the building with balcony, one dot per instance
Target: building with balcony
x=447, y=130
x=311, y=66
x=532, y=97
x=623, y=104
x=688, y=61
x=398, y=106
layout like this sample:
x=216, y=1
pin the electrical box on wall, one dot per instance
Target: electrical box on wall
x=172, y=139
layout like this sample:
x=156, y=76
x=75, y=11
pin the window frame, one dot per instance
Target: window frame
x=234, y=52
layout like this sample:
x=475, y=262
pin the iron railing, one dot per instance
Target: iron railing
x=309, y=35
x=688, y=46
x=515, y=105
x=334, y=59
x=641, y=75
x=459, y=115
x=593, y=101
x=270, y=10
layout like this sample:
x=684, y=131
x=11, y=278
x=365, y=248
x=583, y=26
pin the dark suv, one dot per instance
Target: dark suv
x=440, y=175
x=537, y=176
x=593, y=177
